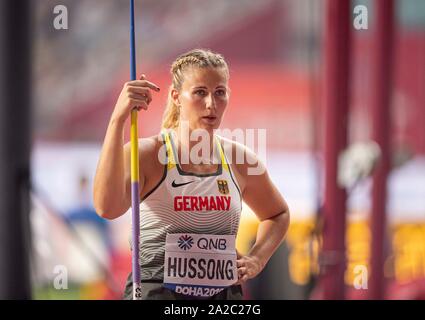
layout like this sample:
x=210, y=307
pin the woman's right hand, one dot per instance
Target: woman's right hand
x=134, y=95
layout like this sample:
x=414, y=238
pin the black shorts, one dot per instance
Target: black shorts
x=156, y=291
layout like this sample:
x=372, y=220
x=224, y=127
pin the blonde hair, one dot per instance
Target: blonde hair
x=201, y=58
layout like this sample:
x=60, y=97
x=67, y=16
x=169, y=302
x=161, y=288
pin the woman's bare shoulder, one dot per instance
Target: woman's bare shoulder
x=150, y=144
x=239, y=155
x=149, y=149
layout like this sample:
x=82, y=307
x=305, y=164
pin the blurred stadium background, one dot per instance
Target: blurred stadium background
x=276, y=53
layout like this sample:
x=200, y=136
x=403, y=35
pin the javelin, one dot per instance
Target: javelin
x=135, y=197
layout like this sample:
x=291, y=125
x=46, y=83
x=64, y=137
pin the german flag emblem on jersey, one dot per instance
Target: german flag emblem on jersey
x=223, y=187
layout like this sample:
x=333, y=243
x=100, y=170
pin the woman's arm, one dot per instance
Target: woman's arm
x=270, y=234
x=111, y=192
x=262, y=196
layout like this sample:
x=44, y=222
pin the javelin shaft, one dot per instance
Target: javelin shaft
x=135, y=197
x=132, y=43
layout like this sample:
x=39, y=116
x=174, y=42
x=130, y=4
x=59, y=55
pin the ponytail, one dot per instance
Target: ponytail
x=170, y=119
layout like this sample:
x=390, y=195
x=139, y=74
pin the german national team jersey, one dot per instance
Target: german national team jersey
x=185, y=202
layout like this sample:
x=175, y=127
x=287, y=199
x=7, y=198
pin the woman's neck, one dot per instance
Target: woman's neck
x=195, y=146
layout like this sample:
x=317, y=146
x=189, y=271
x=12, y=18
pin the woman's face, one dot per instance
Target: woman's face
x=203, y=97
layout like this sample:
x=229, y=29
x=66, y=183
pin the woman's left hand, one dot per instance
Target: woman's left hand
x=248, y=267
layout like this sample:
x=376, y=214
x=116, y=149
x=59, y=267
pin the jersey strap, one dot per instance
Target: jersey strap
x=171, y=162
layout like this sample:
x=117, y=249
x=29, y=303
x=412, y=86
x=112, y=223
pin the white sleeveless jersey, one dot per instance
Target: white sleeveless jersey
x=185, y=202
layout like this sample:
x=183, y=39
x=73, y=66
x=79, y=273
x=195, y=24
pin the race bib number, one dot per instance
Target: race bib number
x=199, y=265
